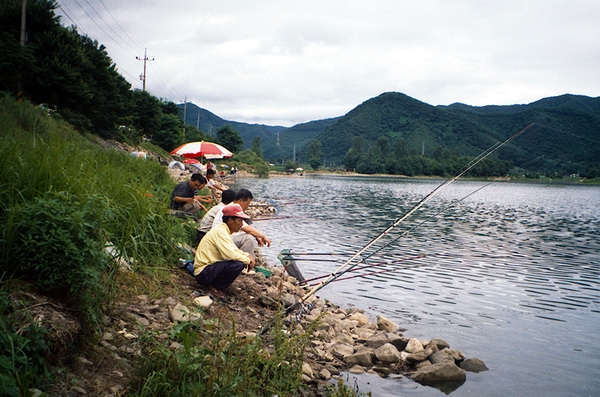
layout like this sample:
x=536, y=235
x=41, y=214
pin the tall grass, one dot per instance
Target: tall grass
x=63, y=198
x=219, y=363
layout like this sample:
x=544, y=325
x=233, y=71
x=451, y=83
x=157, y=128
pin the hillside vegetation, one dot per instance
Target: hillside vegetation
x=396, y=134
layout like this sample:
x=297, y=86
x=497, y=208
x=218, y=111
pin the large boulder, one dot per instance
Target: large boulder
x=387, y=353
x=342, y=350
x=385, y=324
x=363, y=358
x=414, y=345
x=421, y=355
x=360, y=318
x=473, y=365
x=442, y=356
x=439, y=372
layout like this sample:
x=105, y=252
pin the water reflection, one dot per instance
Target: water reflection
x=512, y=268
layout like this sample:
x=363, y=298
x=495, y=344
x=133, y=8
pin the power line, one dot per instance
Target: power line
x=118, y=24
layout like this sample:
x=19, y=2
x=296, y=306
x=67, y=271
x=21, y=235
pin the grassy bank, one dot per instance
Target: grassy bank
x=84, y=226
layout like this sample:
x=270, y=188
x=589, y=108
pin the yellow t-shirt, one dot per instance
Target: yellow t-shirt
x=217, y=246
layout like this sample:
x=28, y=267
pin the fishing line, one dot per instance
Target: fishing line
x=368, y=266
x=428, y=197
x=405, y=233
x=443, y=210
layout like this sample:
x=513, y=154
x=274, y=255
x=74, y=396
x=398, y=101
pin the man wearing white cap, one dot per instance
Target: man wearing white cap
x=218, y=262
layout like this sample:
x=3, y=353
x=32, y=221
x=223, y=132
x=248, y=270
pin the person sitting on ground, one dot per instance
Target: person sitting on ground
x=218, y=262
x=207, y=220
x=212, y=185
x=244, y=239
x=184, y=196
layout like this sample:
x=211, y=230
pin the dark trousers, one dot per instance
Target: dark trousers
x=220, y=275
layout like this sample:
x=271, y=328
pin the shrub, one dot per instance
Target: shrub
x=58, y=246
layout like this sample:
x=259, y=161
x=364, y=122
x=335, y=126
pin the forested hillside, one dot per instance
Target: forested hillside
x=564, y=138
x=396, y=134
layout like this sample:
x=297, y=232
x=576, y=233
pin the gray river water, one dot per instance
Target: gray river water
x=511, y=273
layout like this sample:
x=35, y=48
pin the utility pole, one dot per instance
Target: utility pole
x=184, y=115
x=23, y=38
x=143, y=76
x=23, y=18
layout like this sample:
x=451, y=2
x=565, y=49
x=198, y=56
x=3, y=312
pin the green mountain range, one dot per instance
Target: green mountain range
x=564, y=137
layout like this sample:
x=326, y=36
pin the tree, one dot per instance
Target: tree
x=354, y=153
x=147, y=113
x=400, y=148
x=230, y=138
x=256, y=146
x=169, y=135
x=313, y=150
x=383, y=144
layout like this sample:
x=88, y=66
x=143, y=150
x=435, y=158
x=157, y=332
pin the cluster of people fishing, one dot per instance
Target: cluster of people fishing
x=226, y=240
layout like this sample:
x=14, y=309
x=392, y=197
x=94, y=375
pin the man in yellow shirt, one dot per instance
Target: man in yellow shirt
x=218, y=262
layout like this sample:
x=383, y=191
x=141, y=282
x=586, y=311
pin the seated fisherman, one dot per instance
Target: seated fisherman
x=218, y=262
x=184, y=196
x=212, y=183
x=207, y=220
x=244, y=239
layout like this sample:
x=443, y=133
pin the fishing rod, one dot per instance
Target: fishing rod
x=379, y=264
x=423, y=201
x=366, y=274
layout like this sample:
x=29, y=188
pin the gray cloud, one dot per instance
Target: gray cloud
x=287, y=62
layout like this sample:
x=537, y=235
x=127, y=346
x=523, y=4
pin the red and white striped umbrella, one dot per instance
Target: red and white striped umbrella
x=208, y=150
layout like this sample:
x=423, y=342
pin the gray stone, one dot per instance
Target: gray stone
x=342, y=350
x=399, y=342
x=360, y=318
x=182, y=313
x=377, y=340
x=442, y=356
x=332, y=370
x=203, y=302
x=418, y=356
x=422, y=364
x=387, y=353
x=440, y=343
x=289, y=300
x=357, y=369
x=473, y=365
x=363, y=358
x=414, y=345
x=346, y=325
x=439, y=372
x=325, y=374
x=307, y=370
x=382, y=370
x=385, y=324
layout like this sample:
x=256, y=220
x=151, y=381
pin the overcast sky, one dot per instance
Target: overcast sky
x=286, y=62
